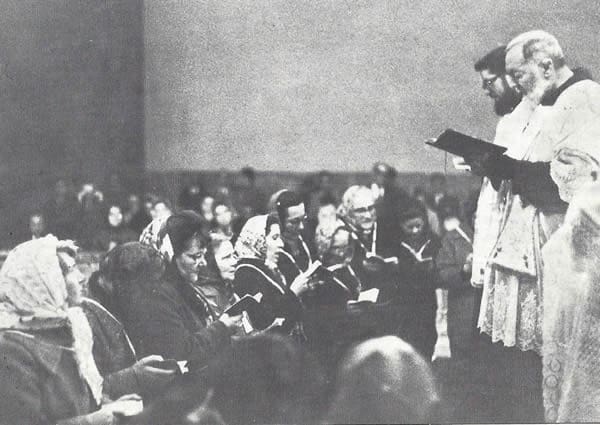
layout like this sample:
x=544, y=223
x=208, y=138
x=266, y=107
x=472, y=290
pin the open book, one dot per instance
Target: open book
x=463, y=145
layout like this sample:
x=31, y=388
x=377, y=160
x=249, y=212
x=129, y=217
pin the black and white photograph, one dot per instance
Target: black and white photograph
x=223, y=212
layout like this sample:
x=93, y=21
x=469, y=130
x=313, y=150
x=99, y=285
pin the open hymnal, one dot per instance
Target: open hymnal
x=370, y=295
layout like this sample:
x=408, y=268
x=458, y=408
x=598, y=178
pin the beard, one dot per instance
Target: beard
x=505, y=104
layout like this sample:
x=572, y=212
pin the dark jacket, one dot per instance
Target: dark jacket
x=374, y=273
x=291, y=263
x=278, y=300
x=417, y=282
x=332, y=289
x=463, y=308
x=113, y=352
x=164, y=319
x=39, y=379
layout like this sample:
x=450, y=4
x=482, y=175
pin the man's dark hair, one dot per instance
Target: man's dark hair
x=493, y=61
x=286, y=200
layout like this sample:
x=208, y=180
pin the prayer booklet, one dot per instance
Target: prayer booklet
x=370, y=295
x=463, y=145
x=254, y=316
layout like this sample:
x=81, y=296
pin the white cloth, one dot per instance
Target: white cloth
x=33, y=296
x=492, y=202
x=511, y=306
x=571, y=328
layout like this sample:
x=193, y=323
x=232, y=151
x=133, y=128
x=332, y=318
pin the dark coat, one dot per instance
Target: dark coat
x=113, y=352
x=462, y=297
x=164, y=319
x=374, y=274
x=277, y=301
x=417, y=282
x=291, y=263
x=39, y=379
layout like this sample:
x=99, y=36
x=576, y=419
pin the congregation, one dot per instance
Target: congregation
x=340, y=293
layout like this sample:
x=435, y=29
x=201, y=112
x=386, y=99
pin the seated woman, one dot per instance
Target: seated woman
x=48, y=373
x=417, y=280
x=115, y=231
x=172, y=318
x=218, y=290
x=335, y=249
x=123, y=273
x=258, y=248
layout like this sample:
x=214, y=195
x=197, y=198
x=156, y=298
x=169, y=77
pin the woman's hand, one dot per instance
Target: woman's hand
x=300, y=284
x=149, y=376
x=231, y=322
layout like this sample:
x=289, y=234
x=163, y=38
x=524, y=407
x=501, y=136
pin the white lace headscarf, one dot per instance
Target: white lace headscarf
x=33, y=296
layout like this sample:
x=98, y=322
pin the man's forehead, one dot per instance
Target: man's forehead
x=486, y=74
x=362, y=199
x=296, y=211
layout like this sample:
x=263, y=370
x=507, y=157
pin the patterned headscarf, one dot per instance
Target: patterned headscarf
x=153, y=236
x=33, y=296
x=252, y=242
x=324, y=235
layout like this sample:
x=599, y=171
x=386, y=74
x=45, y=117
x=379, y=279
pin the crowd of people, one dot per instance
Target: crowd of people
x=310, y=307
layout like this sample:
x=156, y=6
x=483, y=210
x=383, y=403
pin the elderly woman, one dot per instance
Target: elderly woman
x=571, y=321
x=258, y=248
x=335, y=249
x=174, y=318
x=48, y=373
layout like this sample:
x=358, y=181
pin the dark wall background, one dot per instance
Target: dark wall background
x=302, y=85
x=71, y=98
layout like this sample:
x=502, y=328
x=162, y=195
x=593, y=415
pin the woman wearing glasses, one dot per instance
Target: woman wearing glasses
x=174, y=318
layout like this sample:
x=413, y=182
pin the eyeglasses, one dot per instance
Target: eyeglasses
x=488, y=82
x=364, y=210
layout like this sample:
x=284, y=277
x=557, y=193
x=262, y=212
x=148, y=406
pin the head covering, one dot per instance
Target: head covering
x=252, y=242
x=324, y=235
x=169, y=235
x=152, y=236
x=384, y=380
x=33, y=296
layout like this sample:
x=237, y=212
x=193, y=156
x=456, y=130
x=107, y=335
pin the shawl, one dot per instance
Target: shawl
x=571, y=321
x=33, y=296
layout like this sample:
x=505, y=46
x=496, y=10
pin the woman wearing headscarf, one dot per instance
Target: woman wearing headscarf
x=258, y=248
x=48, y=373
x=336, y=250
x=218, y=289
x=571, y=312
x=384, y=380
x=174, y=319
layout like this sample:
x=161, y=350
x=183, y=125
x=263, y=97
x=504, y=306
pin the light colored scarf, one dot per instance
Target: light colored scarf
x=252, y=241
x=33, y=296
